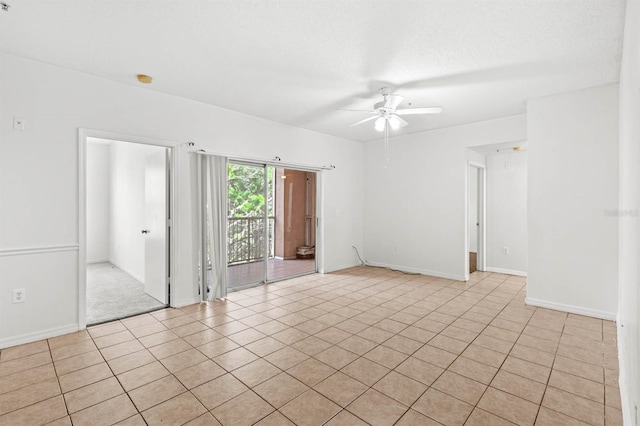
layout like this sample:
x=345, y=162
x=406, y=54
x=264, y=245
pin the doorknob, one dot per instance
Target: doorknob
x=146, y=231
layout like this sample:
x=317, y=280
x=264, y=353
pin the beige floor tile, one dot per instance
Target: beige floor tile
x=280, y=389
x=28, y=395
x=377, y=409
x=311, y=345
x=311, y=371
x=104, y=329
x=574, y=406
x=95, y=393
x=310, y=408
x=460, y=387
x=244, y=409
x=290, y=336
x=130, y=361
x=333, y=335
x=501, y=333
x=64, y=421
x=459, y=333
x=156, y=392
x=199, y=374
x=40, y=413
x=68, y=339
x=188, y=358
x=265, y=346
x=435, y=356
x=178, y=410
x=286, y=358
x=167, y=349
x=21, y=351
x=577, y=385
x=121, y=349
x=67, y=351
x=275, y=419
x=345, y=418
x=113, y=339
x=483, y=418
x=26, y=378
x=105, y=413
x=493, y=343
x=612, y=397
x=538, y=343
x=202, y=337
x=256, y=372
x=147, y=329
x=336, y=357
x=218, y=391
x=365, y=371
x=580, y=369
x=189, y=329
x=419, y=370
x=547, y=417
x=526, y=369
x=386, y=356
x=418, y=334
x=484, y=355
x=86, y=376
x=443, y=408
x=403, y=344
x=357, y=344
x=583, y=355
x=140, y=376
x=413, y=418
x=400, y=387
x=477, y=371
x=218, y=347
x=136, y=420
x=526, y=353
x=613, y=416
x=519, y=386
x=158, y=338
x=507, y=406
x=341, y=388
x=235, y=359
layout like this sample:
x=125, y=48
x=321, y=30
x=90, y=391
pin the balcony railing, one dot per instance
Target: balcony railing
x=246, y=239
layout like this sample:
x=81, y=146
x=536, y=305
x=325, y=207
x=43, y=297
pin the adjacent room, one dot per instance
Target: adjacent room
x=307, y=213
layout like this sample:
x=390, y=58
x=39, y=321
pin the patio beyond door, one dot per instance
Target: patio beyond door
x=271, y=224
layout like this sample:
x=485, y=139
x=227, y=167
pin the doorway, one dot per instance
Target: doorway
x=271, y=231
x=127, y=194
x=475, y=238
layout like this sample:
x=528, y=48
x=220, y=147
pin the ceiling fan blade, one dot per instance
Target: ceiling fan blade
x=413, y=111
x=393, y=101
x=365, y=120
x=356, y=110
x=402, y=122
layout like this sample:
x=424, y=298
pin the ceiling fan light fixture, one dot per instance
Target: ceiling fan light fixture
x=380, y=123
x=394, y=122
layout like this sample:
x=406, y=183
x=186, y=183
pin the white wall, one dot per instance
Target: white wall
x=507, y=212
x=98, y=175
x=39, y=180
x=415, y=210
x=629, y=292
x=127, y=212
x=573, y=182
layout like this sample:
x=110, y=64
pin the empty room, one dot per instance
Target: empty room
x=282, y=212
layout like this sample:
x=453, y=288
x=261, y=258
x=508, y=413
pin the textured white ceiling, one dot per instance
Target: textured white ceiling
x=300, y=62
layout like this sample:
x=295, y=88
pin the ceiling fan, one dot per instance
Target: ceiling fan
x=387, y=114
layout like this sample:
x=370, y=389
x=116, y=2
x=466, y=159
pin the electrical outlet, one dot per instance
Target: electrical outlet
x=19, y=295
x=505, y=250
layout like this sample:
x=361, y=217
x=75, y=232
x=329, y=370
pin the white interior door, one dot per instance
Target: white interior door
x=155, y=230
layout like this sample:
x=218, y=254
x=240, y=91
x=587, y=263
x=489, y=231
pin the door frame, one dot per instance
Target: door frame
x=83, y=135
x=481, y=169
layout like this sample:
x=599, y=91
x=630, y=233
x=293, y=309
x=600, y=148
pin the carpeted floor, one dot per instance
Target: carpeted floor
x=114, y=294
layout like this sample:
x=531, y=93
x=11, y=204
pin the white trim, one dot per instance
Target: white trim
x=331, y=269
x=187, y=302
x=506, y=271
x=628, y=412
x=571, y=309
x=37, y=335
x=37, y=250
x=482, y=218
x=418, y=271
x=83, y=134
x=92, y=262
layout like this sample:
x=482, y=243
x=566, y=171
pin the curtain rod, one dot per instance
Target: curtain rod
x=276, y=161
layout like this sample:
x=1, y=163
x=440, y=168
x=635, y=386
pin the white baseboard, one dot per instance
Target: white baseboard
x=333, y=268
x=419, y=271
x=186, y=302
x=571, y=309
x=91, y=262
x=126, y=270
x=7, y=342
x=507, y=271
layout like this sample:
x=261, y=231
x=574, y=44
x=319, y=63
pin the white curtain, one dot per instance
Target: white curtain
x=213, y=226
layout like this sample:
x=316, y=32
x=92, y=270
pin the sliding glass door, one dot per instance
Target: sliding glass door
x=271, y=224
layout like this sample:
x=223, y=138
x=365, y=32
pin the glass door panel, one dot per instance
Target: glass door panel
x=294, y=219
x=247, y=225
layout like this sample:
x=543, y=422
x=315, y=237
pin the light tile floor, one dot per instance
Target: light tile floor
x=361, y=346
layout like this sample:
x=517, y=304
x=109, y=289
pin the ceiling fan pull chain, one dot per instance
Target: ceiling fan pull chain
x=386, y=145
